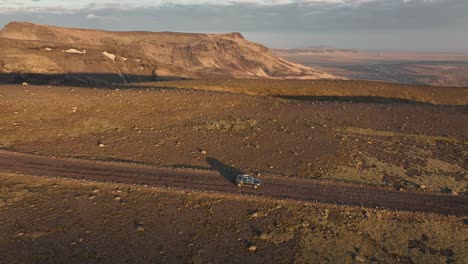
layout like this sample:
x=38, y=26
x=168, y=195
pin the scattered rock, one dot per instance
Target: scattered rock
x=139, y=226
x=74, y=109
x=101, y=145
x=253, y=248
x=365, y=213
x=203, y=152
x=359, y=258
x=118, y=198
x=454, y=193
x=75, y=51
x=25, y=84
x=422, y=187
x=109, y=55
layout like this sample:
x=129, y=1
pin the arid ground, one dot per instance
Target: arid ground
x=220, y=178
x=413, y=144
x=44, y=220
x=396, y=144
x=103, y=160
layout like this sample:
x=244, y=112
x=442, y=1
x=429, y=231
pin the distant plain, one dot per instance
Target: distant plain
x=436, y=69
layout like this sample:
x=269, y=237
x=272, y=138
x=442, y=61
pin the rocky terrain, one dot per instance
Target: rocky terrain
x=52, y=220
x=96, y=168
x=360, y=137
x=331, y=90
x=396, y=144
x=50, y=55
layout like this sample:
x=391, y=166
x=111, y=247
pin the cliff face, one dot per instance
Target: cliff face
x=32, y=48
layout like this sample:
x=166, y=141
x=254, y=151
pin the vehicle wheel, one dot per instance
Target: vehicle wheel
x=239, y=185
x=255, y=186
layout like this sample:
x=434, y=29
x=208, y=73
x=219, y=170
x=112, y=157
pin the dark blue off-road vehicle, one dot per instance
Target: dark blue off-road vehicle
x=247, y=180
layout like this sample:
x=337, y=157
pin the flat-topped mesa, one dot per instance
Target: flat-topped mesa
x=191, y=55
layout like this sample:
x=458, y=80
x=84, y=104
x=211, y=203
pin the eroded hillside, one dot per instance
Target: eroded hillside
x=35, y=52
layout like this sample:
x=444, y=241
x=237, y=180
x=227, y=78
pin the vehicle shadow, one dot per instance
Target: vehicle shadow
x=228, y=172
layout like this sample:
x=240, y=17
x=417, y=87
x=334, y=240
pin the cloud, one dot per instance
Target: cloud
x=103, y=18
x=434, y=24
x=256, y=15
x=74, y=6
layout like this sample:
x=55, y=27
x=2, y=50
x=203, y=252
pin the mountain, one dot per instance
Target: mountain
x=83, y=55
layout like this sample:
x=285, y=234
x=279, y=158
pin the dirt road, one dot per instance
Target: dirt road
x=274, y=187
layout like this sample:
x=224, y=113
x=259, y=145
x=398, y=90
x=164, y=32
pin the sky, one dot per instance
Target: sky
x=401, y=25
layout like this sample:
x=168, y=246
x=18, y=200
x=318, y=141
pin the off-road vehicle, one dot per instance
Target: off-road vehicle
x=247, y=180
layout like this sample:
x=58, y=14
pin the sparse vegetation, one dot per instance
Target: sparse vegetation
x=235, y=124
x=420, y=170
x=364, y=91
x=156, y=164
x=394, y=145
x=88, y=217
x=424, y=139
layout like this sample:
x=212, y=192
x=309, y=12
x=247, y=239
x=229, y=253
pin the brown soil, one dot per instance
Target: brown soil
x=323, y=149
x=333, y=90
x=54, y=220
x=393, y=144
x=223, y=181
